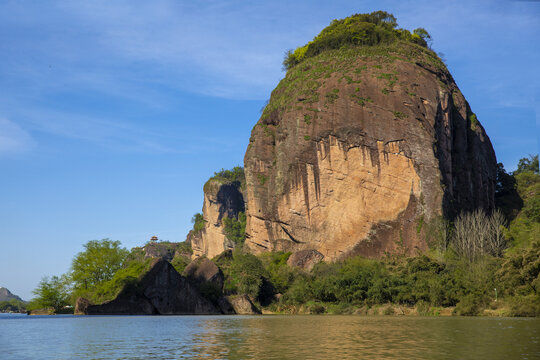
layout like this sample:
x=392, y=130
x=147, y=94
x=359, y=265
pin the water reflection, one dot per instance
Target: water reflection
x=268, y=337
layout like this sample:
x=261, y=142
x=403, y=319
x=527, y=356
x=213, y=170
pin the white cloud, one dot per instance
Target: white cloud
x=114, y=134
x=13, y=138
x=199, y=49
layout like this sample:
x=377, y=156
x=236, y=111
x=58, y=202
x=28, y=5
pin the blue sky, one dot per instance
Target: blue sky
x=114, y=113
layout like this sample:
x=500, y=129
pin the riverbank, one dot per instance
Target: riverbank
x=494, y=310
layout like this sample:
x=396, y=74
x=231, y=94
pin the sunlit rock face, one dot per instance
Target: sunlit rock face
x=355, y=155
x=221, y=200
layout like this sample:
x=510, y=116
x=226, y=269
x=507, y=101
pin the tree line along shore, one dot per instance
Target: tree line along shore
x=478, y=264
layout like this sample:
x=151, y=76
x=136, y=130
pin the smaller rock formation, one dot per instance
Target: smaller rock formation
x=203, y=270
x=242, y=305
x=47, y=311
x=164, y=250
x=305, y=259
x=81, y=306
x=161, y=291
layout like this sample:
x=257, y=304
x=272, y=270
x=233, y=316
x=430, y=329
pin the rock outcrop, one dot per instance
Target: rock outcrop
x=305, y=259
x=358, y=149
x=161, y=291
x=222, y=199
x=160, y=250
x=81, y=306
x=240, y=304
x=204, y=271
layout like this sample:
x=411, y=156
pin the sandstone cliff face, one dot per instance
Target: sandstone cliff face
x=354, y=153
x=221, y=200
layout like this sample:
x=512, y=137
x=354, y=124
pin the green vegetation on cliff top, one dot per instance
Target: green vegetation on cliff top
x=376, y=28
x=235, y=177
x=337, y=50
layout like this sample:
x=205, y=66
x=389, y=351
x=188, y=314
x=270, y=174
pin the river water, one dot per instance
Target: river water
x=267, y=337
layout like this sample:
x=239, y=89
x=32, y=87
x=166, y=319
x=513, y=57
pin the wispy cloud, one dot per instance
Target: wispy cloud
x=114, y=134
x=149, y=52
x=227, y=48
x=13, y=138
x=123, y=47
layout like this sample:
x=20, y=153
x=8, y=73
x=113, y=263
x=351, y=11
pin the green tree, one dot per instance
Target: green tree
x=525, y=228
x=528, y=164
x=53, y=292
x=424, y=35
x=98, y=263
x=507, y=198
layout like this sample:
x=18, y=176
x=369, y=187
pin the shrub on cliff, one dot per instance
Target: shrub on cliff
x=372, y=29
x=198, y=223
x=235, y=229
x=234, y=176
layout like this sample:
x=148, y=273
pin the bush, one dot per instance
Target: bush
x=52, y=293
x=372, y=29
x=245, y=274
x=279, y=273
x=235, y=177
x=198, y=223
x=468, y=306
x=185, y=248
x=235, y=229
x=179, y=263
x=526, y=306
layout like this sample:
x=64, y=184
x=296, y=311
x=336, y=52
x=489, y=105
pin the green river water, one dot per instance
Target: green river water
x=267, y=337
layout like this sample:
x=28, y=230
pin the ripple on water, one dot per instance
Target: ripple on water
x=267, y=337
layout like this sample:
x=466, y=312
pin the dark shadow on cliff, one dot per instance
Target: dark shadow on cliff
x=231, y=200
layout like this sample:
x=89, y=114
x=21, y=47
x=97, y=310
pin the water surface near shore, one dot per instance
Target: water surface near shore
x=267, y=337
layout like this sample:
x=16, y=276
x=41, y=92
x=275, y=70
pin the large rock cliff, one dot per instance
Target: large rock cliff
x=359, y=147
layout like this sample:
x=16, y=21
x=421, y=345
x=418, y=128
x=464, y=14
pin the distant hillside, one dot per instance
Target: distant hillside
x=6, y=295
